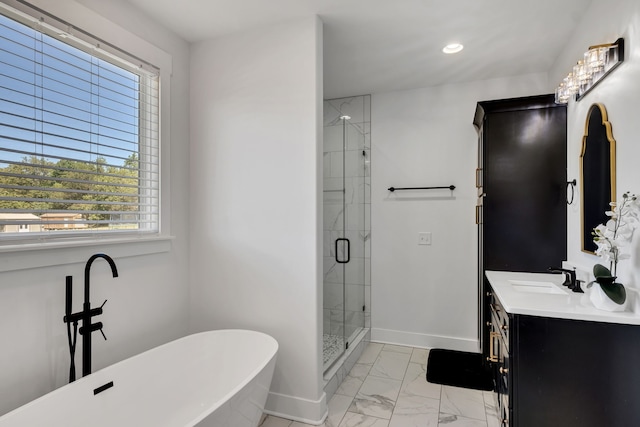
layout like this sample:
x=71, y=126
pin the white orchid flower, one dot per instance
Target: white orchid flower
x=617, y=232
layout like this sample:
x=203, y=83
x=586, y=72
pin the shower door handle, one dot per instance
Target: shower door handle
x=348, y=251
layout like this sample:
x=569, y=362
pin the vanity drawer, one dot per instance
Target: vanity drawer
x=501, y=360
x=500, y=326
x=500, y=321
x=503, y=410
x=500, y=357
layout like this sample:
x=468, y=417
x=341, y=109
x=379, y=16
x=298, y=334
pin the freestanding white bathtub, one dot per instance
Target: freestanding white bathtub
x=217, y=378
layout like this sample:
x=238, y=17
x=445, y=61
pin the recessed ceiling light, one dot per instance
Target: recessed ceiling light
x=452, y=48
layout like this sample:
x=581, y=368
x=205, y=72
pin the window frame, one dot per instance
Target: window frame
x=128, y=244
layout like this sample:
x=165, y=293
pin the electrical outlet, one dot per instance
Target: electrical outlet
x=424, y=238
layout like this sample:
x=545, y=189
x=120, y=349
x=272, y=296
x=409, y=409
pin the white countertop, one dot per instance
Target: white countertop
x=563, y=305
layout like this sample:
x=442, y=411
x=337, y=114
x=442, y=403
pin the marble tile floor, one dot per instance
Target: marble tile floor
x=387, y=388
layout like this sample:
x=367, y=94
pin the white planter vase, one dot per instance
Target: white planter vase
x=602, y=302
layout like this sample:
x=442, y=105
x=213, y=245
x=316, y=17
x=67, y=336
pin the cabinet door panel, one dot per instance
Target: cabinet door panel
x=524, y=179
x=575, y=374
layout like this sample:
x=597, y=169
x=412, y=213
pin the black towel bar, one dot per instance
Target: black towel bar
x=450, y=187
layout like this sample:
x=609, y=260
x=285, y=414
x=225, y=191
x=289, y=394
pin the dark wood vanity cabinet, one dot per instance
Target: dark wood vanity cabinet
x=551, y=372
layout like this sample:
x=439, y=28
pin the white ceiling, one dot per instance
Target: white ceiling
x=383, y=45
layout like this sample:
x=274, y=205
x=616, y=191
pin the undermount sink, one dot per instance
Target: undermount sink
x=536, y=287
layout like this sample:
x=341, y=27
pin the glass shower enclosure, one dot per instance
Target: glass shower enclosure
x=347, y=229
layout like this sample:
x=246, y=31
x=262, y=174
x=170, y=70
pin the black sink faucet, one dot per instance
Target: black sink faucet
x=570, y=280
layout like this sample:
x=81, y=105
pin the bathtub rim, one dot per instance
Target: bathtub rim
x=272, y=342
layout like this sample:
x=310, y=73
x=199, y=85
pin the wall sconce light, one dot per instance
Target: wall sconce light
x=596, y=63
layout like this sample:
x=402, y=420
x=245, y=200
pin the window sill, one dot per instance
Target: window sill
x=35, y=255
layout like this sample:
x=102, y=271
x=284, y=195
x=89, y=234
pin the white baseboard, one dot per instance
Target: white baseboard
x=413, y=339
x=306, y=411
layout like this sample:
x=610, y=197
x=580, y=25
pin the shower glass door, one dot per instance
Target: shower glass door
x=346, y=223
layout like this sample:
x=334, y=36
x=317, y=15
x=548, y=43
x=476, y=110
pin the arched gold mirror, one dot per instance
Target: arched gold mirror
x=597, y=173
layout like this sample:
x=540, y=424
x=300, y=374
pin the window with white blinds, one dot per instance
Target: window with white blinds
x=79, y=133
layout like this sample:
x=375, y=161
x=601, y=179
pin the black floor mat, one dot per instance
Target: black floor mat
x=458, y=368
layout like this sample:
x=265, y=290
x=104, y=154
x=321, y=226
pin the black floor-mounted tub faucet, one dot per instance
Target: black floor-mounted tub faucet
x=85, y=315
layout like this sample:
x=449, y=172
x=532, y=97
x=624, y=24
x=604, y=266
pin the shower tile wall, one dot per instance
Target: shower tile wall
x=356, y=212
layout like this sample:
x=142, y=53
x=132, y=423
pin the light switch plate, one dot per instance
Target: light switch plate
x=424, y=238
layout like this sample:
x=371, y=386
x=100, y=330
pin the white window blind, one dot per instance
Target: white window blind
x=79, y=133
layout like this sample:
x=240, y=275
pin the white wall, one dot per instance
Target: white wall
x=256, y=246
x=604, y=22
x=427, y=295
x=148, y=303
